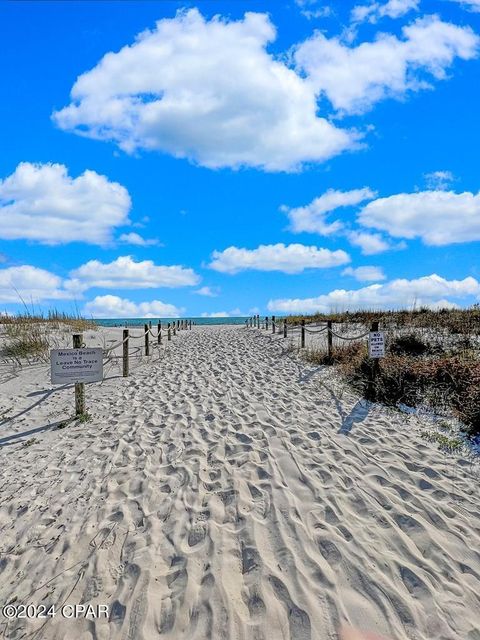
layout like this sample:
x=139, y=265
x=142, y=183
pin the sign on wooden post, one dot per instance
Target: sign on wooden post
x=376, y=344
x=376, y=350
x=78, y=365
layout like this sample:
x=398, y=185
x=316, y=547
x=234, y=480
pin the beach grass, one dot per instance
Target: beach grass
x=29, y=336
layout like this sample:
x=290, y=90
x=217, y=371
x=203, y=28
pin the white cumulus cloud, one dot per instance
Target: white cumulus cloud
x=438, y=180
x=374, y=11
x=115, y=307
x=293, y=258
x=42, y=202
x=210, y=292
x=125, y=273
x=137, y=240
x=313, y=217
x=431, y=291
x=365, y=274
x=234, y=313
x=356, y=77
x=208, y=91
x=437, y=217
x=471, y=5
x=372, y=243
x=30, y=284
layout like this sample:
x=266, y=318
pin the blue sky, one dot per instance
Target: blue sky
x=167, y=158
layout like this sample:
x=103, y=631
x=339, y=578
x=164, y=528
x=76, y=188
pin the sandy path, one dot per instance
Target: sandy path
x=229, y=491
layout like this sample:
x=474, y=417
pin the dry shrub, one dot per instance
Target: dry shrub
x=447, y=384
x=343, y=354
x=408, y=344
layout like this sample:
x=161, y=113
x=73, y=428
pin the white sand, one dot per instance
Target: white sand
x=227, y=490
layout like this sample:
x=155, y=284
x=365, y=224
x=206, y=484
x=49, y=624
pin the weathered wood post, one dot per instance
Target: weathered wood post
x=79, y=386
x=190, y=323
x=125, y=353
x=284, y=327
x=147, y=341
x=159, y=333
x=329, y=341
x=178, y=325
x=169, y=332
x=258, y=321
x=273, y=324
x=303, y=334
x=266, y=323
x=174, y=328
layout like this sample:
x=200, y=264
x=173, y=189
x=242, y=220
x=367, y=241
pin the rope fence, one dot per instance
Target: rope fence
x=149, y=338
x=375, y=338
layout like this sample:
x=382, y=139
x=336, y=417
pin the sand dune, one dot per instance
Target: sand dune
x=227, y=490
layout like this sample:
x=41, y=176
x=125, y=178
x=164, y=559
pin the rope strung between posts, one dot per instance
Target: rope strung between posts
x=363, y=335
x=318, y=331
x=118, y=344
x=163, y=332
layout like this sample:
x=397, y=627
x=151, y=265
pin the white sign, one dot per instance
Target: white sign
x=376, y=344
x=76, y=365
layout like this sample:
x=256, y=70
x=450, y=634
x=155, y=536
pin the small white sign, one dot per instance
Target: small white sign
x=76, y=365
x=376, y=344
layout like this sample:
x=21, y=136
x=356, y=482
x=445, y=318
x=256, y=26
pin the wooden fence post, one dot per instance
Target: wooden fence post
x=147, y=341
x=258, y=321
x=266, y=323
x=159, y=334
x=178, y=325
x=174, y=328
x=169, y=332
x=190, y=323
x=79, y=386
x=273, y=324
x=125, y=353
x=329, y=341
x=285, y=328
x=303, y=334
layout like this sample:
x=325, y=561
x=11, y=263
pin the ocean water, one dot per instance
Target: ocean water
x=139, y=322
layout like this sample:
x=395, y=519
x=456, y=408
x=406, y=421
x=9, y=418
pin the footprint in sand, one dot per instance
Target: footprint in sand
x=197, y=534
